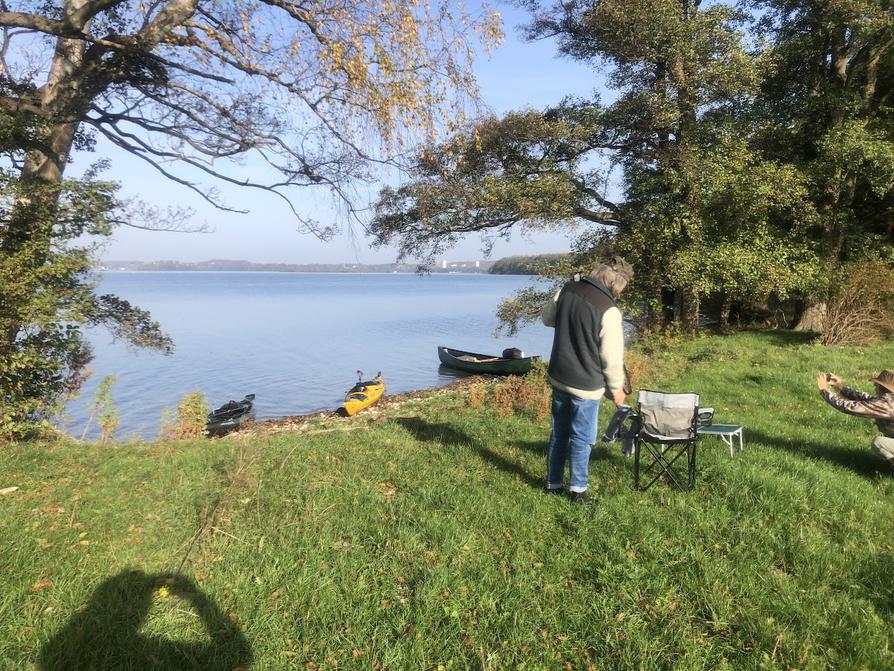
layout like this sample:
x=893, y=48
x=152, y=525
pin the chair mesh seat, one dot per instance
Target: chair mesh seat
x=668, y=433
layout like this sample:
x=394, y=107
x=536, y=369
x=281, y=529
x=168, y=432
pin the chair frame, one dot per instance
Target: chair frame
x=662, y=452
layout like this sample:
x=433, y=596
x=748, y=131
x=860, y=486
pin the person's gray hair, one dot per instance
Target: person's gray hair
x=615, y=275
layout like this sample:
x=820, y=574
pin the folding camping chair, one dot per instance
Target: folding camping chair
x=668, y=431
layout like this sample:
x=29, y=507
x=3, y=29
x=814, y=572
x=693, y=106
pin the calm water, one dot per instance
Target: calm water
x=294, y=339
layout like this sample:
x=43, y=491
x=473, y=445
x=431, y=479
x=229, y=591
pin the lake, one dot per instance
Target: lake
x=293, y=339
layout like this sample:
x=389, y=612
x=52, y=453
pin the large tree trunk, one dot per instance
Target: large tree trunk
x=813, y=317
x=31, y=220
x=725, y=308
x=668, y=301
x=690, y=310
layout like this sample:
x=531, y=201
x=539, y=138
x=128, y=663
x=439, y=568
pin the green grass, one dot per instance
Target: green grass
x=425, y=541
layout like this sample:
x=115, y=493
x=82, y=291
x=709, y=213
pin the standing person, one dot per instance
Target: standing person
x=587, y=358
x=879, y=407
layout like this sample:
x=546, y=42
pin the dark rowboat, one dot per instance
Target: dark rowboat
x=471, y=362
x=230, y=416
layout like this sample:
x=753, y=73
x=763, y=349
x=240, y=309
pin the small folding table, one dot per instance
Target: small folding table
x=727, y=433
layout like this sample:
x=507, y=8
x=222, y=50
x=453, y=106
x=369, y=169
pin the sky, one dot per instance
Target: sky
x=516, y=75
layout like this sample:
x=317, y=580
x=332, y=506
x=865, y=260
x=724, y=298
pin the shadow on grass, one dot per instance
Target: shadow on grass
x=600, y=450
x=860, y=460
x=105, y=634
x=786, y=338
x=537, y=447
x=425, y=432
x=875, y=577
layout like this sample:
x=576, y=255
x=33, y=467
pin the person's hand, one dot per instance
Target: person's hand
x=835, y=381
x=822, y=382
x=618, y=397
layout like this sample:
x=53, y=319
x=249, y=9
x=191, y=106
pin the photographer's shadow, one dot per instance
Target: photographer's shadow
x=106, y=635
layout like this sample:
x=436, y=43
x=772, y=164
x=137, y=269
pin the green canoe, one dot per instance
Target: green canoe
x=470, y=362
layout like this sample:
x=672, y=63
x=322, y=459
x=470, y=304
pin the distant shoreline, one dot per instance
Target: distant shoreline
x=225, y=265
x=125, y=271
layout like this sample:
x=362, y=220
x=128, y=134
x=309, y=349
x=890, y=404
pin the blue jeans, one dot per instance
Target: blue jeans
x=573, y=434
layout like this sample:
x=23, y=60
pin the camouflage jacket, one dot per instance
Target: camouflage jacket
x=860, y=404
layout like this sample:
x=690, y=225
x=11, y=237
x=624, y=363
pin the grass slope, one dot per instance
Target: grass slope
x=424, y=541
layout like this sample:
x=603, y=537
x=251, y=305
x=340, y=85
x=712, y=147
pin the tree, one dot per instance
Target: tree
x=321, y=91
x=827, y=109
x=48, y=297
x=683, y=78
x=523, y=171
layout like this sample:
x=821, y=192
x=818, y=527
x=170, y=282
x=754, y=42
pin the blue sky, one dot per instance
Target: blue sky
x=516, y=75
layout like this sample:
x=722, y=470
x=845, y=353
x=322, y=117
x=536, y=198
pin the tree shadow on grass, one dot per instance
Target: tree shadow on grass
x=875, y=577
x=105, y=634
x=600, y=450
x=860, y=460
x=449, y=436
x=533, y=446
x=786, y=338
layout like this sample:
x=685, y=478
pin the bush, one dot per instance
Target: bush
x=477, y=395
x=168, y=430
x=860, y=307
x=527, y=395
x=638, y=367
x=192, y=415
x=103, y=410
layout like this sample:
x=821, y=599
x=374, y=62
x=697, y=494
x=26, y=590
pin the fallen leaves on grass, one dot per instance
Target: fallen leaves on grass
x=387, y=489
x=8, y=490
x=42, y=584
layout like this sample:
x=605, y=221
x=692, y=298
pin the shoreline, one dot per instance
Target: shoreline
x=297, y=423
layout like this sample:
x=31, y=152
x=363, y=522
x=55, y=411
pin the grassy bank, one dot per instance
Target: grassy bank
x=421, y=539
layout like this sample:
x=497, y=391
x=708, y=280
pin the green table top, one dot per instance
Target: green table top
x=719, y=428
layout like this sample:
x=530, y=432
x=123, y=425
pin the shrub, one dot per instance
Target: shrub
x=638, y=369
x=504, y=396
x=860, y=306
x=192, y=415
x=168, y=430
x=527, y=395
x=108, y=422
x=477, y=395
x=103, y=410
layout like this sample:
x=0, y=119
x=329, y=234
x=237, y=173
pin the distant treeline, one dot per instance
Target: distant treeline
x=523, y=265
x=235, y=265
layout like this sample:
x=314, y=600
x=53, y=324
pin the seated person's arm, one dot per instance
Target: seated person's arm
x=873, y=407
x=854, y=394
x=846, y=392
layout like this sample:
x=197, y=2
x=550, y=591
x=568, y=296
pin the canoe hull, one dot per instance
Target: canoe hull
x=451, y=357
x=361, y=396
x=230, y=416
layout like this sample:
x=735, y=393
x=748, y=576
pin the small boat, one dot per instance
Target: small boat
x=362, y=395
x=230, y=416
x=471, y=362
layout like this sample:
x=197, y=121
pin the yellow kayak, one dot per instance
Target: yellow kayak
x=362, y=395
